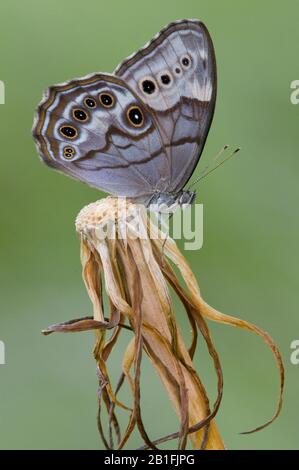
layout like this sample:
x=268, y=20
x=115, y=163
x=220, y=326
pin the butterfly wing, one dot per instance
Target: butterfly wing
x=175, y=76
x=97, y=130
x=142, y=131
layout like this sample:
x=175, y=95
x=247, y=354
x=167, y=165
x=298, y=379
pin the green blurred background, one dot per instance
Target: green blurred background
x=249, y=263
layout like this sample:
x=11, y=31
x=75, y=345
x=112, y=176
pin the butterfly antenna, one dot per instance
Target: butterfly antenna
x=207, y=171
x=217, y=156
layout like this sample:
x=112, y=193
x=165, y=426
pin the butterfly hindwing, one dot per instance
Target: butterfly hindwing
x=97, y=130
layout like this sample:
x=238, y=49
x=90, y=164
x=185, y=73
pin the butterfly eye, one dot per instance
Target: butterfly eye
x=107, y=100
x=80, y=115
x=186, y=61
x=135, y=116
x=69, y=132
x=165, y=79
x=90, y=102
x=69, y=153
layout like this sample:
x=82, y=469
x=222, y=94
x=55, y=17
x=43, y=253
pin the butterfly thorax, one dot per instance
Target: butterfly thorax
x=169, y=202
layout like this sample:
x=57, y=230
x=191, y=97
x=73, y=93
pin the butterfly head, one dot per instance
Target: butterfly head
x=185, y=198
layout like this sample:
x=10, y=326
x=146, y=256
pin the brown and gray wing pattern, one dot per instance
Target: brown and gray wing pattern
x=97, y=130
x=175, y=75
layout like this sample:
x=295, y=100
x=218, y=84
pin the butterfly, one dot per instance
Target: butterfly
x=140, y=131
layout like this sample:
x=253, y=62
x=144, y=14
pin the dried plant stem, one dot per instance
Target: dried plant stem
x=155, y=331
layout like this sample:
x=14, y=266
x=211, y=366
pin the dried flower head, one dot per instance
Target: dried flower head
x=124, y=254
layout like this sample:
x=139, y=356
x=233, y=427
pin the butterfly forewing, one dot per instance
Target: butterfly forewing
x=175, y=75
